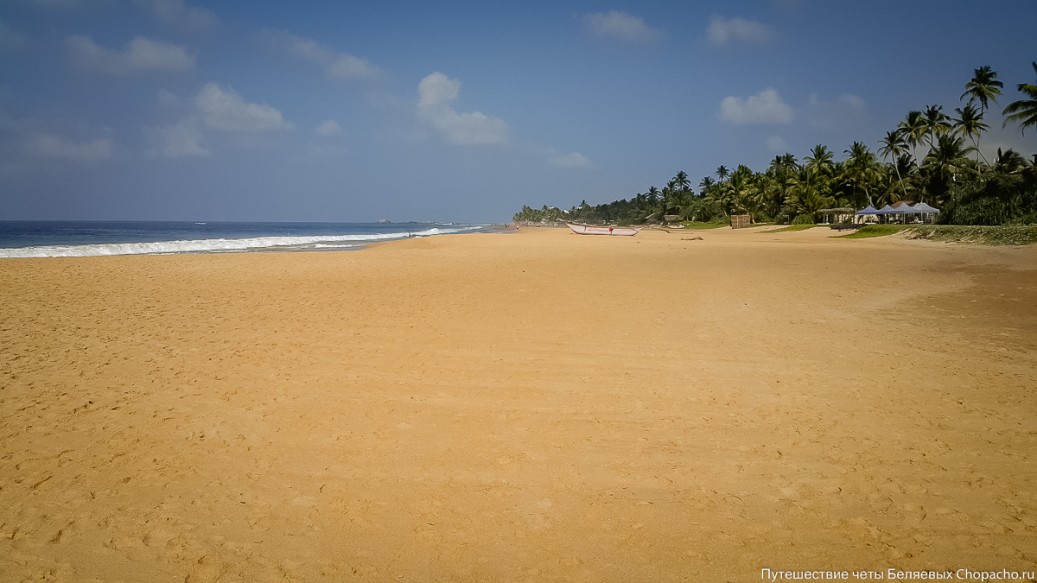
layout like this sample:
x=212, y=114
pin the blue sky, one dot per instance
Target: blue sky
x=458, y=111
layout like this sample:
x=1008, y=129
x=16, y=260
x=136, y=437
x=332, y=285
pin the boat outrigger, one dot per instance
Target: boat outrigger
x=602, y=230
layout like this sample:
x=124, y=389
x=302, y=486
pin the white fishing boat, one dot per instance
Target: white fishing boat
x=602, y=230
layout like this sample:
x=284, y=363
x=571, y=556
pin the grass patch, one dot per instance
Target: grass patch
x=869, y=231
x=999, y=235
x=790, y=228
x=702, y=225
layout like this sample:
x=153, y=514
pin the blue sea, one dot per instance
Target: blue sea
x=85, y=239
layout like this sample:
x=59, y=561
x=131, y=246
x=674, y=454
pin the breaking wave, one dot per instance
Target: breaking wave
x=277, y=243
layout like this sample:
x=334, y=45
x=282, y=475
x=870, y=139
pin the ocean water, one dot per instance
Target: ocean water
x=85, y=239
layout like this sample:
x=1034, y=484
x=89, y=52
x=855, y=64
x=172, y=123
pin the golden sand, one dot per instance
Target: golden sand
x=531, y=407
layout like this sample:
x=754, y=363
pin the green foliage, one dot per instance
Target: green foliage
x=1024, y=111
x=869, y=231
x=705, y=211
x=1003, y=235
x=543, y=215
x=702, y=225
x=994, y=199
x=793, y=227
x=987, y=235
x=952, y=175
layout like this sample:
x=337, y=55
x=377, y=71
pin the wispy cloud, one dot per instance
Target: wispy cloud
x=179, y=14
x=764, y=108
x=140, y=55
x=179, y=140
x=213, y=109
x=570, y=160
x=328, y=129
x=436, y=93
x=722, y=31
x=224, y=109
x=844, y=111
x=777, y=144
x=49, y=145
x=337, y=65
x=621, y=26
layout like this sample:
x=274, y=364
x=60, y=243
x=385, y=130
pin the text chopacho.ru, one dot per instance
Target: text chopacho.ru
x=891, y=574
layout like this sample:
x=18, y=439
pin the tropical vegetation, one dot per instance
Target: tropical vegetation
x=931, y=156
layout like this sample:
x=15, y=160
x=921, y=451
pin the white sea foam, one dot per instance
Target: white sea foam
x=219, y=245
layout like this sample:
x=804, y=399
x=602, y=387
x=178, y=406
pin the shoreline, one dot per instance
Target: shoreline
x=545, y=406
x=103, y=239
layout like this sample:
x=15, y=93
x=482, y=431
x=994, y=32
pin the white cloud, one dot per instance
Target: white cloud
x=766, y=107
x=177, y=13
x=570, y=160
x=724, y=30
x=213, y=108
x=224, y=109
x=845, y=111
x=345, y=66
x=777, y=144
x=167, y=98
x=140, y=55
x=621, y=26
x=336, y=65
x=181, y=140
x=49, y=145
x=328, y=128
x=436, y=92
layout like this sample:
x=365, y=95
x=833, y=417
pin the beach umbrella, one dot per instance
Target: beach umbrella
x=884, y=211
x=868, y=210
x=905, y=209
x=926, y=210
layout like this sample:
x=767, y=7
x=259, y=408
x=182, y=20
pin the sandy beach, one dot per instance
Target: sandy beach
x=537, y=406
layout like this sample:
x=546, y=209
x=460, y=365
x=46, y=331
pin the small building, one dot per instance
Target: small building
x=836, y=215
x=741, y=221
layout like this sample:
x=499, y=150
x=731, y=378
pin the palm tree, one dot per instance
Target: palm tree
x=782, y=173
x=681, y=182
x=820, y=160
x=723, y=172
x=723, y=195
x=913, y=128
x=983, y=87
x=1009, y=162
x=945, y=161
x=705, y=185
x=653, y=195
x=787, y=161
x=744, y=190
x=814, y=182
x=860, y=170
x=893, y=147
x=677, y=193
x=805, y=198
x=906, y=167
x=936, y=123
x=1024, y=111
x=969, y=123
